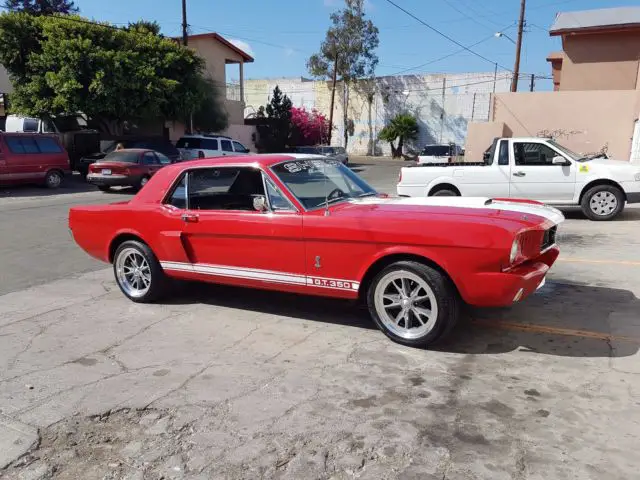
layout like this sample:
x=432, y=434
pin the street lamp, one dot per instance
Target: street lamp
x=501, y=34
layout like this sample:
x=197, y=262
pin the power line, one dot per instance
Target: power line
x=444, y=35
x=450, y=54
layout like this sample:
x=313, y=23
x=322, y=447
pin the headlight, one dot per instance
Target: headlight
x=637, y=177
x=515, y=248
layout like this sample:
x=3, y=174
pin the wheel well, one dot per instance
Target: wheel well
x=596, y=183
x=55, y=170
x=383, y=262
x=444, y=186
x=119, y=240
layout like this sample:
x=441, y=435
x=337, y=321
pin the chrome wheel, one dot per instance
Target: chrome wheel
x=406, y=304
x=143, y=182
x=133, y=272
x=603, y=203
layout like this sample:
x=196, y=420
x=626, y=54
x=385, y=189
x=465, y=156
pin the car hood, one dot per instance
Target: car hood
x=624, y=171
x=523, y=212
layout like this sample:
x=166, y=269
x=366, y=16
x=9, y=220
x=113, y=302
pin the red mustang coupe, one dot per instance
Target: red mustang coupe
x=304, y=224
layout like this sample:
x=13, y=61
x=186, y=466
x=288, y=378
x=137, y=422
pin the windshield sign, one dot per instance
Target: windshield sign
x=316, y=183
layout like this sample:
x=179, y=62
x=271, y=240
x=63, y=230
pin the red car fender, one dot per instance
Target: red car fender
x=419, y=251
x=121, y=233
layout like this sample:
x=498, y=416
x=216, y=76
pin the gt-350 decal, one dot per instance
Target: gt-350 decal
x=262, y=275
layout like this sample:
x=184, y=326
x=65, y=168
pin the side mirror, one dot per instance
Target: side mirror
x=260, y=203
x=559, y=160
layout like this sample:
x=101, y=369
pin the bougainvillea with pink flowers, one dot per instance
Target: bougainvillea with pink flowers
x=308, y=128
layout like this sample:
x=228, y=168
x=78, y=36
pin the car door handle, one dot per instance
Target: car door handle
x=519, y=174
x=189, y=217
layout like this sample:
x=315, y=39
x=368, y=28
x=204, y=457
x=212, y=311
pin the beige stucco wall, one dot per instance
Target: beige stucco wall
x=585, y=121
x=214, y=55
x=480, y=136
x=600, y=61
x=235, y=110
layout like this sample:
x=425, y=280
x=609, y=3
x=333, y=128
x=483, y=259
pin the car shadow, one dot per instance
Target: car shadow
x=629, y=214
x=562, y=319
x=71, y=184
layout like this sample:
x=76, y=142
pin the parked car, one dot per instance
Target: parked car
x=160, y=145
x=535, y=169
x=32, y=158
x=72, y=132
x=126, y=168
x=335, y=153
x=205, y=146
x=412, y=260
x=440, y=153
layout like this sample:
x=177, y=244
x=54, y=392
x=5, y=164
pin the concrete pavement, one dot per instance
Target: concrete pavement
x=218, y=382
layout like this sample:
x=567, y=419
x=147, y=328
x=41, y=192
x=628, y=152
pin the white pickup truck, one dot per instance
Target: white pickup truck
x=535, y=169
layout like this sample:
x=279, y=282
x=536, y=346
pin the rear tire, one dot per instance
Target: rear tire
x=445, y=193
x=413, y=304
x=138, y=272
x=53, y=179
x=602, y=203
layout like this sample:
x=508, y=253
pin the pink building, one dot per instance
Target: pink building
x=595, y=104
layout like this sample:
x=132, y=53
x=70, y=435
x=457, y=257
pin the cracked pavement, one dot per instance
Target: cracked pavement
x=220, y=382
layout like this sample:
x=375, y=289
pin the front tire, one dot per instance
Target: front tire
x=138, y=272
x=602, y=202
x=413, y=304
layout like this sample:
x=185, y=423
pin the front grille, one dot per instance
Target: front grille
x=549, y=238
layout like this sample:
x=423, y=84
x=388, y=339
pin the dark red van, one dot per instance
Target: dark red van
x=32, y=158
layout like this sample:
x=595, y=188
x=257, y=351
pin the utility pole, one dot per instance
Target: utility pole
x=444, y=88
x=495, y=77
x=333, y=96
x=185, y=34
x=533, y=82
x=516, y=68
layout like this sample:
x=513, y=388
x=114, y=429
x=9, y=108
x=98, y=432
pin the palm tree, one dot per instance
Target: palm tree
x=403, y=126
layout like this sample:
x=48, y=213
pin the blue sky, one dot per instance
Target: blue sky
x=281, y=34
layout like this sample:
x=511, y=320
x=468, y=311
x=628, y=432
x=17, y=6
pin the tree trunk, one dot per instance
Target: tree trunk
x=400, y=145
x=345, y=98
x=394, y=150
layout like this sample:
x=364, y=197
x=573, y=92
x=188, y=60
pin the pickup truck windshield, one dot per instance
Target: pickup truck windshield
x=569, y=153
x=318, y=182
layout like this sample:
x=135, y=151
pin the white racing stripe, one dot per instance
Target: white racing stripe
x=545, y=211
x=262, y=275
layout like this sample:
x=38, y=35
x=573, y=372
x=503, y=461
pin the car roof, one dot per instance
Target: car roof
x=137, y=150
x=262, y=160
x=206, y=136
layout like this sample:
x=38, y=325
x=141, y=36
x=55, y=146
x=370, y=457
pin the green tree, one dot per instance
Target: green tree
x=59, y=65
x=403, y=126
x=346, y=54
x=41, y=7
x=278, y=112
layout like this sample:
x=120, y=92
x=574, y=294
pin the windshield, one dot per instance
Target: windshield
x=569, y=153
x=318, y=182
x=122, y=156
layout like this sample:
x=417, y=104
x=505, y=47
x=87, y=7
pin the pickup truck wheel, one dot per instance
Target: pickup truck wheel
x=602, y=202
x=138, y=272
x=413, y=304
x=445, y=193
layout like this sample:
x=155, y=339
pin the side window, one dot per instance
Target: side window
x=225, y=146
x=503, y=153
x=149, y=159
x=30, y=125
x=226, y=188
x=29, y=145
x=238, y=147
x=48, y=127
x=14, y=144
x=533, y=154
x=178, y=197
x=276, y=199
x=48, y=145
x=209, y=144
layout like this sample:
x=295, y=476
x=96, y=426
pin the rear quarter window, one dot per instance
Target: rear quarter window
x=48, y=145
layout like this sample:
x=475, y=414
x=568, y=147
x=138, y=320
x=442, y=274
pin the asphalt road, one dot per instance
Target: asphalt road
x=35, y=244
x=217, y=382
